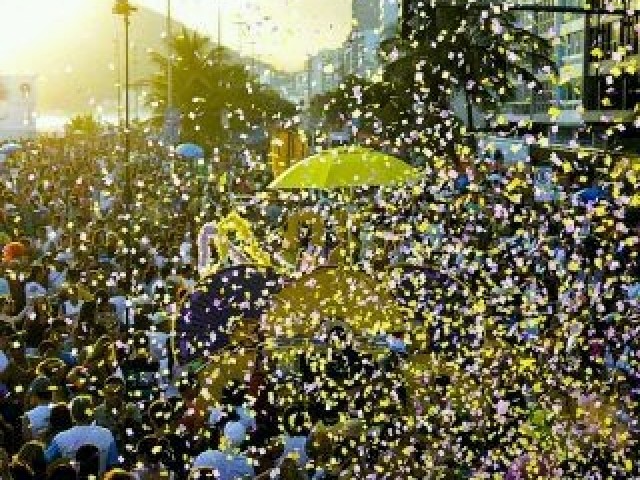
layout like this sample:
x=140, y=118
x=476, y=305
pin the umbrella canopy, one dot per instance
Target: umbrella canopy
x=346, y=167
x=240, y=292
x=361, y=302
x=10, y=148
x=190, y=150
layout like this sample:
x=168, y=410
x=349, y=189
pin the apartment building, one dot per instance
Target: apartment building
x=596, y=49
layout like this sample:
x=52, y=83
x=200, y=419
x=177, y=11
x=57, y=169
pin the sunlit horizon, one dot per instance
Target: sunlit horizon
x=278, y=32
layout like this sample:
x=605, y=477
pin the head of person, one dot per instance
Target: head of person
x=320, y=446
x=17, y=349
x=114, y=392
x=6, y=332
x=62, y=470
x=32, y=455
x=188, y=386
x=88, y=461
x=78, y=380
x=82, y=410
x=233, y=393
x=20, y=471
x=41, y=390
x=153, y=451
x=6, y=305
x=160, y=415
x=53, y=368
x=203, y=474
x=338, y=337
x=296, y=421
x=59, y=419
x=289, y=470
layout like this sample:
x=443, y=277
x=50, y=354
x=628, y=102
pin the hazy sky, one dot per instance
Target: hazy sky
x=292, y=28
x=283, y=31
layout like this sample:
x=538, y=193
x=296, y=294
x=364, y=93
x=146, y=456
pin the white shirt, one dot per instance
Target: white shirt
x=120, y=304
x=185, y=253
x=72, y=310
x=34, y=289
x=246, y=417
x=158, y=348
x=57, y=279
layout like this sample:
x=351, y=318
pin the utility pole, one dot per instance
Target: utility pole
x=169, y=59
x=125, y=9
x=116, y=41
x=219, y=23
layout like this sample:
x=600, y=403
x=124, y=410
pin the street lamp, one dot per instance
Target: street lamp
x=125, y=9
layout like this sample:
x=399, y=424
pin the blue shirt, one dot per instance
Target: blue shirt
x=296, y=446
x=229, y=465
x=66, y=444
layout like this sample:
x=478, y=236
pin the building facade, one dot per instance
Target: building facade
x=596, y=51
x=374, y=21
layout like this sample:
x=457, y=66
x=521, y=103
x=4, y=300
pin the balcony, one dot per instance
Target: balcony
x=538, y=111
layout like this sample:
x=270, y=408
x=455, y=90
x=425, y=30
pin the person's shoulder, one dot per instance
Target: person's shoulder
x=99, y=430
x=209, y=458
x=62, y=436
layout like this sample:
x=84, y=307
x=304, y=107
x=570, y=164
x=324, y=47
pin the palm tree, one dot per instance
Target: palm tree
x=84, y=125
x=208, y=85
x=484, y=54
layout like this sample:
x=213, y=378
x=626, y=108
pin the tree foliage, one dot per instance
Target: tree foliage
x=83, y=124
x=483, y=57
x=211, y=90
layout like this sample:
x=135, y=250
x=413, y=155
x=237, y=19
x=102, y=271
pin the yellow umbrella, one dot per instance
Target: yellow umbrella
x=345, y=167
x=337, y=293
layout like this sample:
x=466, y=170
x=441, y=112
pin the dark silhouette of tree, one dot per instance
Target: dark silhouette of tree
x=212, y=91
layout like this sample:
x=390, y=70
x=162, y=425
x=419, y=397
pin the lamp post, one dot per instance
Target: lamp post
x=125, y=9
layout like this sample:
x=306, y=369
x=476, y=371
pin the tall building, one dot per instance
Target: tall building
x=598, y=85
x=557, y=108
x=374, y=21
x=366, y=14
x=596, y=50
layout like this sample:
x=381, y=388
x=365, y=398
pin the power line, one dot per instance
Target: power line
x=537, y=8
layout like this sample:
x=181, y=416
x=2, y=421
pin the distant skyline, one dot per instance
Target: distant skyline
x=279, y=32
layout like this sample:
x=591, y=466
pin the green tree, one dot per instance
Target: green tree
x=211, y=90
x=83, y=124
x=486, y=54
x=481, y=56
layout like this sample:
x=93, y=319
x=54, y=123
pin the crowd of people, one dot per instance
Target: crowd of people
x=529, y=370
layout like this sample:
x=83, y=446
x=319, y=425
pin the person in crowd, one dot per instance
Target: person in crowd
x=36, y=421
x=31, y=454
x=59, y=421
x=228, y=457
x=67, y=443
x=122, y=418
